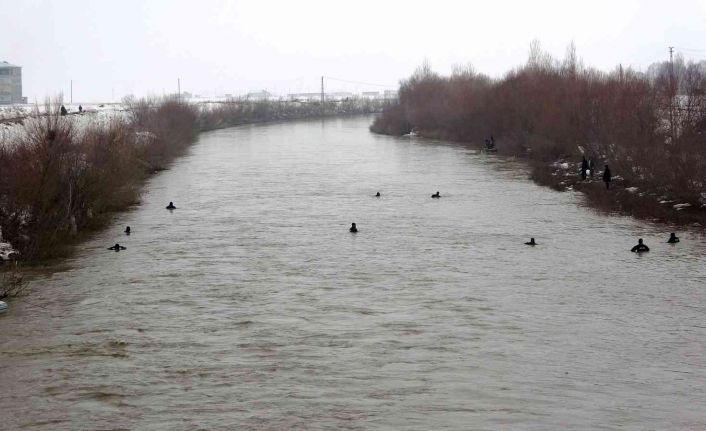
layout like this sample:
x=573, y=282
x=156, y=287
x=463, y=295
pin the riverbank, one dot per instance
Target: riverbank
x=62, y=177
x=627, y=197
x=649, y=128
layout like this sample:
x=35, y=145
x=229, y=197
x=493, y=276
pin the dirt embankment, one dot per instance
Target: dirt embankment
x=628, y=197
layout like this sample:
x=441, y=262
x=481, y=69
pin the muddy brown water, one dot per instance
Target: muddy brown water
x=251, y=306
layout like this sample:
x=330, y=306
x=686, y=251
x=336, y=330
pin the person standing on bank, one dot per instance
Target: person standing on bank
x=607, y=177
x=584, y=168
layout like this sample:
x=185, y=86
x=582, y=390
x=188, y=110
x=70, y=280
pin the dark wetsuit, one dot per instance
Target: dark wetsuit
x=640, y=248
x=607, y=177
x=673, y=239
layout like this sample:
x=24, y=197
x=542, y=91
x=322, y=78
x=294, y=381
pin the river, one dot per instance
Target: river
x=251, y=306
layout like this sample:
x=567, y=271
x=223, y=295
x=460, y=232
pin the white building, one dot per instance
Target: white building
x=259, y=96
x=304, y=97
x=10, y=84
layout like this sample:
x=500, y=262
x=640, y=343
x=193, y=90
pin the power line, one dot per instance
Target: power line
x=360, y=82
x=690, y=49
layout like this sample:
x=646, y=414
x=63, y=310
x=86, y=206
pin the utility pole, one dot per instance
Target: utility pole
x=671, y=69
x=323, y=101
x=72, y=92
x=672, y=94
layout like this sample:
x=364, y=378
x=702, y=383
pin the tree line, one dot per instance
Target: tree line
x=650, y=127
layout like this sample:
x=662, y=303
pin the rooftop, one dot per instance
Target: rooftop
x=4, y=64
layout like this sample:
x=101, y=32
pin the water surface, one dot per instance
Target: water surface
x=251, y=306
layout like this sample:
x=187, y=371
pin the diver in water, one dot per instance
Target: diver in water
x=673, y=239
x=116, y=247
x=127, y=230
x=640, y=247
x=436, y=195
x=531, y=242
x=171, y=206
x=377, y=195
x=353, y=228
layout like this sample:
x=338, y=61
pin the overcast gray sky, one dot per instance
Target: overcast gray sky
x=113, y=48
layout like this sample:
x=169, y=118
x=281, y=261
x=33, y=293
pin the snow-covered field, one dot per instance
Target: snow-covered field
x=14, y=118
x=19, y=111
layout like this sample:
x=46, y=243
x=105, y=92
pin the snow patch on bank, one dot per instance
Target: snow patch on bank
x=680, y=207
x=6, y=250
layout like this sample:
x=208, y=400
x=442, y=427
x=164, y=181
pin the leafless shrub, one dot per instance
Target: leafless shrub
x=12, y=282
x=56, y=183
x=650, y=128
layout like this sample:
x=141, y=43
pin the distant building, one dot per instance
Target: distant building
x=390, y=94
x=10, y=84
x=316, y=97
x=304, y=96
x=260, y=95
x=371, y=94
x=339, y=95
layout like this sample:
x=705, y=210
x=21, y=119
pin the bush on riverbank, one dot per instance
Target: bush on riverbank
x=162, y=129
x=57, y=181
x=649, y=127
x=236, y=112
